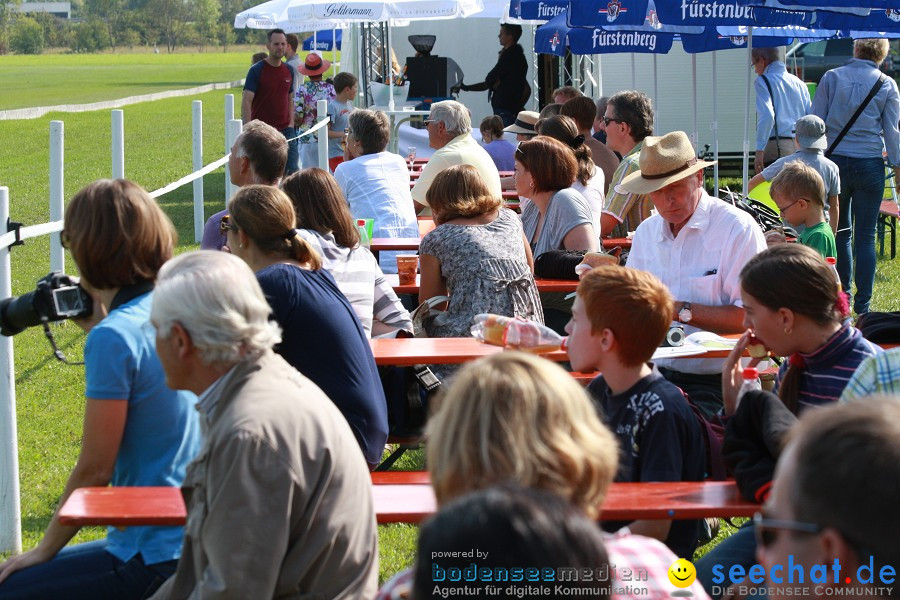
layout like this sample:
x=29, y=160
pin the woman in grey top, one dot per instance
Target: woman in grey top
x=558, y=217
x=477, y=255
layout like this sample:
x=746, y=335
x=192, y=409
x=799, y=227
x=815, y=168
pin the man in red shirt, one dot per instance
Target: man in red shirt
x=267, y=95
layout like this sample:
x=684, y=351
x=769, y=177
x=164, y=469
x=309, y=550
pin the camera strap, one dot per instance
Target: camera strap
x=129, y=293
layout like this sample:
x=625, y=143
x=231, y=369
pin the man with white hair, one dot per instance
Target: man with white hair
x=449, y=132
x=257, y=156
x=278, y=499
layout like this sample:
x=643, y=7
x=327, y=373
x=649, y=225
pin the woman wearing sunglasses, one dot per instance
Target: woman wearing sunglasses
x=137, y=432
x=322, y=337
x=794, y=306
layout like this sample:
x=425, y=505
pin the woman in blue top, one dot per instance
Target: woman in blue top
x=322, y=336
x=137, y=432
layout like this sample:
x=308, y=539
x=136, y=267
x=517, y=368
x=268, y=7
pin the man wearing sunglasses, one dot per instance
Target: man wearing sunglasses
x=627, y=121
x=834, y=498
x=257, y=156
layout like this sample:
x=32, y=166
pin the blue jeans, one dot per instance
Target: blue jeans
x=88, y=572
x=862, y=190
x=293, y=158
x=738, y=549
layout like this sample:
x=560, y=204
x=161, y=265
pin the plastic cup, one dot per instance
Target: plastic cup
x=407, y=264
x=370, y=223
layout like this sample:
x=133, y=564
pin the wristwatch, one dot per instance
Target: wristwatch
x=685, y=315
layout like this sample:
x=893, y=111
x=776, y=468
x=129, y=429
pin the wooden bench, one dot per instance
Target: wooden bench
x=124, y=506
x=887, y=220
x=408, y=498
x=411, y=501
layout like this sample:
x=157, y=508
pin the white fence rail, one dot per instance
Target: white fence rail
x=10, y=507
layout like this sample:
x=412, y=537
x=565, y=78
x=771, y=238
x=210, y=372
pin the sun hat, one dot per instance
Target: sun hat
x=663, y=160
x=314, y=65
x=524, y=124
x=810, y=132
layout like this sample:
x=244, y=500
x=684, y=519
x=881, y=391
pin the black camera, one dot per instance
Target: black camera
x=56, y=298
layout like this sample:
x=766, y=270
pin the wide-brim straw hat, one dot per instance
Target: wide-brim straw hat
x=314, y=65
x=663, y=160
x=524, y=124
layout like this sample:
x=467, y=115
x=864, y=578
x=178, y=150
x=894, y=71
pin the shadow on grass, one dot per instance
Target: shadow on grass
x=27, y=374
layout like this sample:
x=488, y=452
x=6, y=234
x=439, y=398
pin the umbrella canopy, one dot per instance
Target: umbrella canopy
x=556, y=36
x=380, y=10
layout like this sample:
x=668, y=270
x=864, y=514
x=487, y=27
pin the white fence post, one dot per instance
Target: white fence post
x=197, y=146
x=229, y=117
x=10, y=518
x=322, y=114
x=118, y=144
x=57, y=154
x=232, y=131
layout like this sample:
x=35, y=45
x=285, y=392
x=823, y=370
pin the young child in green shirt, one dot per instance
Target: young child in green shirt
x=799, y=193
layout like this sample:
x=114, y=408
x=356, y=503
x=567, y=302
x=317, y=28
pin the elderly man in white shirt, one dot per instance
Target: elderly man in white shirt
x=697, y=245
x=449, y=132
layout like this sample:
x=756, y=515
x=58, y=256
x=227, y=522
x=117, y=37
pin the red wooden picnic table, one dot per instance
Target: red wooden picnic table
x=379, y=244
x=543, y=285
x=412, y=503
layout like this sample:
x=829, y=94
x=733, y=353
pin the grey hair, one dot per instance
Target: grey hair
x=769, y=55
x=216, y=298
x=453, y=115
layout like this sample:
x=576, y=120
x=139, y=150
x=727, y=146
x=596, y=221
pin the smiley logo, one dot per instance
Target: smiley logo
x=682, y=573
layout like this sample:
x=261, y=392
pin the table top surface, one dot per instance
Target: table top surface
x=378, y=244
x=122, y=506
x=543, y=285
x=412, y=503
x=452, y=351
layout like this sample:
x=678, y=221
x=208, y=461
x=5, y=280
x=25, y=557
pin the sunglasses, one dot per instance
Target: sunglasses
x=766, y=530
x=227, y=225
x=607, y=120
x=519, y=150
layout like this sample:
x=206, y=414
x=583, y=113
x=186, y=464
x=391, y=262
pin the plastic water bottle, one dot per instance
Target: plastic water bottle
x=364, y=240
x=750, y=383
x=515, y=333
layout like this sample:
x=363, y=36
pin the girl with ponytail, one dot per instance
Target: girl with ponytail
x=794, y=306
x=589, y=179
x=322, y=337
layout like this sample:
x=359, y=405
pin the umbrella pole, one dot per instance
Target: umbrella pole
x=696, y=139
x=334, y=59
x=655, y=95
x=386, y=59
x=747, y=114
x=633, y=71
x=715, y=127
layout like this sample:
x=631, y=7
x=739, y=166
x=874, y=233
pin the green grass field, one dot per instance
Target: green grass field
x=50, y=80
x=158, y=150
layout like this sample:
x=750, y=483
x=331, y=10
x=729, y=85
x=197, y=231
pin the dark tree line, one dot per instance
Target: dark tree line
x=101, y=24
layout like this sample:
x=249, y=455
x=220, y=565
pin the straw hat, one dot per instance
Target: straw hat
x=314, y=65
x=663, y=160
x=524, y=124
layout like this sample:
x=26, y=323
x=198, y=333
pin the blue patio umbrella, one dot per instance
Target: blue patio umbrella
x=555, y=37
x=598, y=13
x=323, y=40
x=536, y=10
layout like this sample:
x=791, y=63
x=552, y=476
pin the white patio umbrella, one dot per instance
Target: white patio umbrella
x=300, y=13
